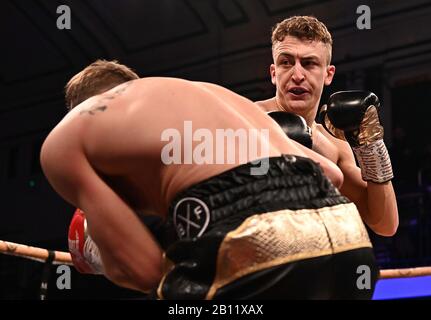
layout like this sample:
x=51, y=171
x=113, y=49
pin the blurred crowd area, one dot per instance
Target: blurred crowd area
x=411, y=245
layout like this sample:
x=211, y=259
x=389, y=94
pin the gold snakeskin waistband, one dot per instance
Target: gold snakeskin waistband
x=270, y=239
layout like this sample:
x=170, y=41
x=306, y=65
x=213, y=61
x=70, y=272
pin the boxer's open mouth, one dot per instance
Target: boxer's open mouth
x=298, y=91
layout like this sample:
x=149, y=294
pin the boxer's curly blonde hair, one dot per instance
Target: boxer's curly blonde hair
x=96, y=78
x=302, y=27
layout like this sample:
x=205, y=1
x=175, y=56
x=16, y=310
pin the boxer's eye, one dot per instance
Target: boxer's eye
x=309, y=63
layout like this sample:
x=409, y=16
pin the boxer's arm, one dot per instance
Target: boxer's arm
x=130, y=255
x=353, y=117
x=376, y=202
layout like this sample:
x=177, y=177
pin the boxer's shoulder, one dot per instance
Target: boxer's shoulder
x=267, y=105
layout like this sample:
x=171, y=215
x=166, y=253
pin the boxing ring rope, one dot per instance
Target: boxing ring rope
x=35, y=253
x=48, y=257
x=61, y=257
x=405, y=273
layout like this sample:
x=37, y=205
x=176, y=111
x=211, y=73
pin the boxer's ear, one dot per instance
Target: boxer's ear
x=272, y=73
x=330, y=72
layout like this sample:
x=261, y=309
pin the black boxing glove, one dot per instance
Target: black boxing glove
x=294, y=126
x=353, y=116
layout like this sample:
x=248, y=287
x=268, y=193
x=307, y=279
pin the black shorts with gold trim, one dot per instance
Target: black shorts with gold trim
x=288, y=234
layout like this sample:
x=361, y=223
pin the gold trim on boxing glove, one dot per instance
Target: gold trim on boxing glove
x=370, y=129
x=167, y=267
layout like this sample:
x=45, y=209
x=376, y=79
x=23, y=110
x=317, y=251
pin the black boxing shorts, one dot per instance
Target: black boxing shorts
x=288, y=234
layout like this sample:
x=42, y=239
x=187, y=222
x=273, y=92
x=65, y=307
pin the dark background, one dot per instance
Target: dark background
x=222, y=41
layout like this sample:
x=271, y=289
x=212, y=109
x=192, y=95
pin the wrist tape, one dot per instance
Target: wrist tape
x=374, y=162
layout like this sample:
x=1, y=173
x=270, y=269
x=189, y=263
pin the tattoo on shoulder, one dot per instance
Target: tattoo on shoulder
x=100, y=104
x=93, y=109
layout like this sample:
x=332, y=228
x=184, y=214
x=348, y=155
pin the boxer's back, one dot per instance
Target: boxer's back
x=122, y=133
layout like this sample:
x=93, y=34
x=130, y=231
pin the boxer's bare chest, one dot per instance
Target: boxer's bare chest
x=324, y=146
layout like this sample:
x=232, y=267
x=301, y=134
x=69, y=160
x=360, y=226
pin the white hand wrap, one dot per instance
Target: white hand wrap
x=374, y=162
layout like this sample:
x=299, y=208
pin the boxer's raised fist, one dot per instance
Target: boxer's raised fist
x=355, y=113
x=353, y=116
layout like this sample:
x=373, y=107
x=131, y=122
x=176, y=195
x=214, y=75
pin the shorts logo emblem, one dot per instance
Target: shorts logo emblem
x=191, y=217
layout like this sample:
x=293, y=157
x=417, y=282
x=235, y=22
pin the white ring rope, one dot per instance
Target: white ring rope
x=60, y=257
x=34, y=253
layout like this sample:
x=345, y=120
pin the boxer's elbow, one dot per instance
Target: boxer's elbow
x=144, y=281
x=387, y=230
x=141, y=279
